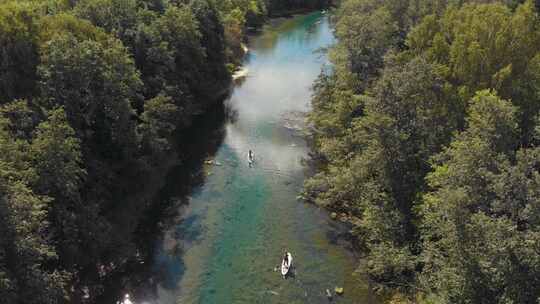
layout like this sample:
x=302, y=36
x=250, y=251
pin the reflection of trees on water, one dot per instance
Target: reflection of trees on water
x=142, y=277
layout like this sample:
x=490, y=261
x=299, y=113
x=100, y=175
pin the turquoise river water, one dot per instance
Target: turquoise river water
x=228, y=235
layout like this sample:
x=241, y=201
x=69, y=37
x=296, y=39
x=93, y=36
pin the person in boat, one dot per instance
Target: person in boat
x=286, y=259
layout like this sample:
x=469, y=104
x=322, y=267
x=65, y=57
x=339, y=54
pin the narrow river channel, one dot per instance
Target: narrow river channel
x=226, y=240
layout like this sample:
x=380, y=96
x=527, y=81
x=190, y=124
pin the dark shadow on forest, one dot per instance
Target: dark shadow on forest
x=196, y=144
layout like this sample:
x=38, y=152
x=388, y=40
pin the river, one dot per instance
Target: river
x=226, y=232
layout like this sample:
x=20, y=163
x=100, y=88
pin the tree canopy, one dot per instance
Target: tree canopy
x=426, y=137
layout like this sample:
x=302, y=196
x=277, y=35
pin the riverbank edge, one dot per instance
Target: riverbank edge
x=315, y=164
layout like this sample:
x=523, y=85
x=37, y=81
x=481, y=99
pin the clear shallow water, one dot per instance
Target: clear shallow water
x=223, y=245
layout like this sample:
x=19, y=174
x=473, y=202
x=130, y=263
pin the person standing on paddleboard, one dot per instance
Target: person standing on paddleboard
x=250, y=157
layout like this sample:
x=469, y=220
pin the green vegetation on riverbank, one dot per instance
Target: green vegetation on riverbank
x=427, y=137
x=91, y=93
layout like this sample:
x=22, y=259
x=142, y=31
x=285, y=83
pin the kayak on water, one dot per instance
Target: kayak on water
x=286, y=264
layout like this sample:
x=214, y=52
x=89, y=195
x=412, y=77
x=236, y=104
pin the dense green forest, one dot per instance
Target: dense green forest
x=427, y=138
x=92, y=92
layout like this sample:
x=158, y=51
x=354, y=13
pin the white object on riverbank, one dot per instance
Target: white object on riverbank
x=245, y=48
x=241, y=73
x=126, y=300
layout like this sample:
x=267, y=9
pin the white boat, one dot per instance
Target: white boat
x=286, y=265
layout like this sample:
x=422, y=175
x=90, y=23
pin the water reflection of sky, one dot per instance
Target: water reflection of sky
x=282, y=67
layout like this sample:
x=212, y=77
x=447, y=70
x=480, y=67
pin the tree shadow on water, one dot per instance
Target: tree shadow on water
x=157, y=267
x=339, y=233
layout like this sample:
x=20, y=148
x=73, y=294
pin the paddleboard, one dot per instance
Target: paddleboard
x=286, y=265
